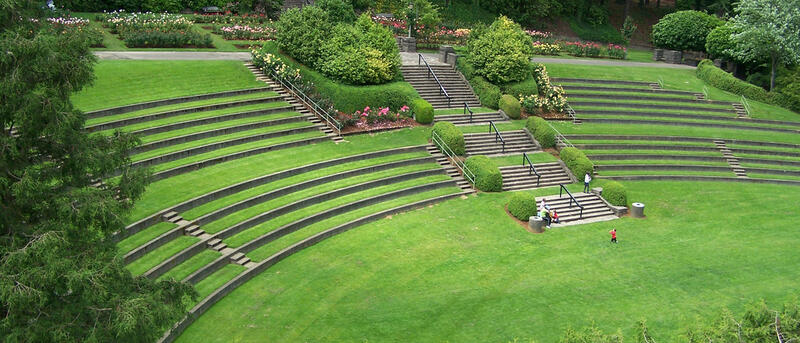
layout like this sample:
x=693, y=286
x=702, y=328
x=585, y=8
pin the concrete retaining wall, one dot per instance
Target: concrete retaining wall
x=210, y=120
x=590, y=147
x=613, y=167
x=691, y=116
x=607, y=82
x=611, y=157
x=649, y=98
x=223, y=192
x=681, y=139
x=700, y=178
x=622, y=89
x=172, y=101
x=672, y=123
x=652, y=106
x=240, y=279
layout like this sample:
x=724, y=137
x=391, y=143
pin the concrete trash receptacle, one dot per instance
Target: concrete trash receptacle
x=536, y=224
x=637, y=210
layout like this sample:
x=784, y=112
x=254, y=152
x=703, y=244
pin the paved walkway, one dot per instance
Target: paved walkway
x=600, y=62
x=412, y=58
x=172, y=55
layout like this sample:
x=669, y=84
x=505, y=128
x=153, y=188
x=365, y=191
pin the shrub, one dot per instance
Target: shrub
x=684, y=30
x=502, y=52
x=527, y=87
x=338, y=10
x=510, y=105
x=596, y=33
x=158, y=39
x=577, y=162
x=302, y=33
x=487, y=93
x=615, y=193
x=423, y=111
x=719, y=43
x=708, y=72
x=522, y=205
x=543, y=133
x=487, y=174
x=451, y=136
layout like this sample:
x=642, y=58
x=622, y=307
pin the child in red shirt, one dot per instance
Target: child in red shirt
x=613, y=233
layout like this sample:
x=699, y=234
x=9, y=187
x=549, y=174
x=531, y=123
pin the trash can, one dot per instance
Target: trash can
x=536, y=224
x=637, y=210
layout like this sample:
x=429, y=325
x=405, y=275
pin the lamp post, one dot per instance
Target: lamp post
x=410, y=20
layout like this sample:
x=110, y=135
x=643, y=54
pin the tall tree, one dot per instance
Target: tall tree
x=768, y=30
x=61, y=279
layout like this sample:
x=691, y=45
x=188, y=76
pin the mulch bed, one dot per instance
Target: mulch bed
x=380, y=127
x=548, y=116
x=522, y=223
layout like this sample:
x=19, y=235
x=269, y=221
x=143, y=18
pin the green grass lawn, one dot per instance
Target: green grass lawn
x=463, y=271
x=123, y=82
x=516, y=160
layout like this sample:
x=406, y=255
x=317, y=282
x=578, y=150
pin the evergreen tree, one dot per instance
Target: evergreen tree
x=61, y=279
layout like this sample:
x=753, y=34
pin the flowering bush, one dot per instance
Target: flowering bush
x=540, y=48
x=617, y=51
x=244, y=32
x=443, y=35
x=551, y=99
x=371, y=118
x=229, y=19
x=269, y=63
x=71, y=25
x=159, y=39
x=154, y=30
x=538, y=34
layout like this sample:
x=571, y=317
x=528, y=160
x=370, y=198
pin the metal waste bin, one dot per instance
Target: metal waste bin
x=637, y=210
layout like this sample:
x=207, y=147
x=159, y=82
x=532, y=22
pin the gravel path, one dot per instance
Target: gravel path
x=599, y=62
x=172, y=55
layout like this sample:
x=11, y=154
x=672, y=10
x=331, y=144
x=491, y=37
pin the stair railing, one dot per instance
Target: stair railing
x=746, y=105
x=310, y=103
x=571, y=198
x=467, y=109
x=497, y=135
x=421, y=59
x=560, y=137
x=572, y=114
x=440, y=143
x=531, y=168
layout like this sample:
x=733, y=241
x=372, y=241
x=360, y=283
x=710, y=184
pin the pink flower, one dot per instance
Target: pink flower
x=366, y=109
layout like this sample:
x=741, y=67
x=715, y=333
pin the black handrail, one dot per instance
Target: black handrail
x=531, y=169
x=466, y=109
x=571, y=198
x=288, y=85
x=430, y=72
x=497, y=135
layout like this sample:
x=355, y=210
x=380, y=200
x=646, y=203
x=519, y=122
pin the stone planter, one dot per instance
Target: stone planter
x=536, y=224
x=444, y=50
x=673, y=56
x=407, y=44
x=693, y=58
x=658, y=54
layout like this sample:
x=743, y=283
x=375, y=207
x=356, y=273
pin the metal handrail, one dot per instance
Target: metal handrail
x=439, y=142
x=310, y=103
x=571, y=113
x=661, y=82
x=560, y=136
x=705, y=92
x=532, y=169
x=746, y=105
x=467, y=109
x=497, y=135
x=571, y=198
x=430, y=72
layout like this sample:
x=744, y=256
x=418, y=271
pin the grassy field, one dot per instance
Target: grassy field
x=463, y=271
x=122, y=82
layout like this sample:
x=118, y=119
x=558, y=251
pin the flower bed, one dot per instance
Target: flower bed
x=375, y=119
x=71, y=25
x=232, y=19
x=152, y=30
x=545, y=44
x=245, y=32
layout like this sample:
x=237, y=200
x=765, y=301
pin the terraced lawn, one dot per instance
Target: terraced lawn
x=513, y=160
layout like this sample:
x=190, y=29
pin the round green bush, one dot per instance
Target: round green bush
x=338, y=10
x=684, y=30
x=488, y=94
x=577, y=162
x=719, y=43
x=510, y=105
x=423, y=111
x=615, y=193
x=502, y=52
x=301, y=34
x=451, y=136
x=543, y=133
x=487, y=175
x=522, y=205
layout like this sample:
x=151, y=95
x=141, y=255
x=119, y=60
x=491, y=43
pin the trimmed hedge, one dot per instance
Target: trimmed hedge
x=487, y=174
x=510, y=105
x=684, y=30
x=577, y=162
x=524, y=88
x=488, y=94
x=451, y=136
x=615, y=193
x=708, y=72
x=543, y=133
x=423, y=111
x=349, y=98
x=522, y=205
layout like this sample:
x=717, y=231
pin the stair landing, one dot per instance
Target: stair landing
x=594, y=209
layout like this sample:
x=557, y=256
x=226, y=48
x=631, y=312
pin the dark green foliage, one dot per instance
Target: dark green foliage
x=590, y=335
x=301, y=34
x=510, y=105
x=577, y=162
x=158, y=39
x=522, y=205
x=788, y=89
x=338, y=10
x=501, y=53
x=173, y=6
x=604, y=33
x=451, y=136
x=684, y=30
x=525, y=11
x=543, y=133
x=487, y=174
x=61, y=279
x=347, y=98
x=423, y=111
x=524, y=88
x=488, y=94
x=719, y=43
x=716, y=77
x=615, y=193
x=157, y=6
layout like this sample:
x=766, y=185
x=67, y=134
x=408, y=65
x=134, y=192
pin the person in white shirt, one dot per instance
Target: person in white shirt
x=586, y=179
